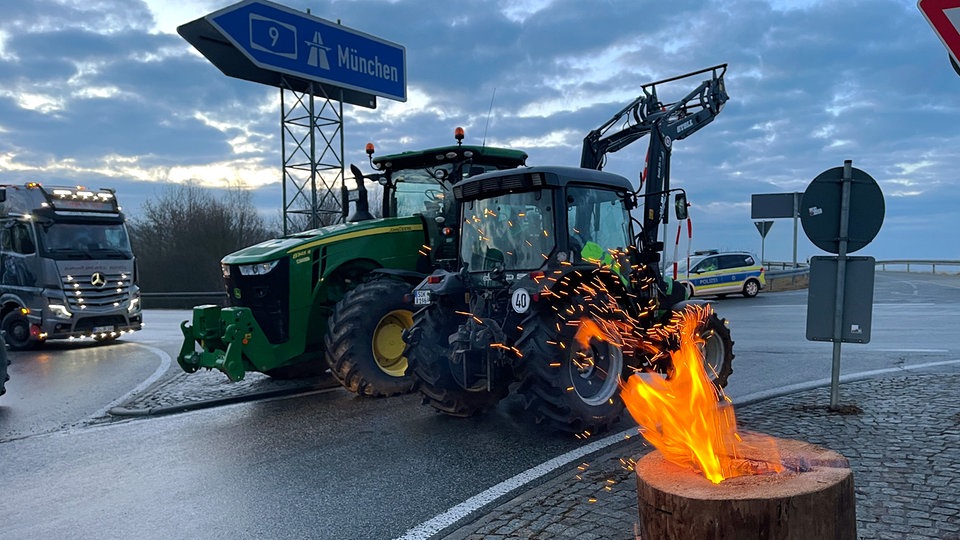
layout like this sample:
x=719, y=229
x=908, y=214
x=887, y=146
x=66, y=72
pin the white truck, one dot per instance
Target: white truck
x=66, y=266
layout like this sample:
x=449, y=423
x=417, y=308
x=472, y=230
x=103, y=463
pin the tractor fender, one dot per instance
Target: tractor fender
x=450, y=283
x=410, y=276
x=680, y=306
x=570, y=278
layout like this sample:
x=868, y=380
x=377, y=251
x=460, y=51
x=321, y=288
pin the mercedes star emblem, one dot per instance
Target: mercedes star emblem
x=98, y=279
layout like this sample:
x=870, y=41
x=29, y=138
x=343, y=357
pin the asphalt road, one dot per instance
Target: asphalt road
x=331, y=465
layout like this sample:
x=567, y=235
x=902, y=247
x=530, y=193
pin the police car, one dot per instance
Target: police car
x=714, y=273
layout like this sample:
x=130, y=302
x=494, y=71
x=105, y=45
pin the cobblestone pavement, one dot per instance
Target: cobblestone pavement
x=184, y=391
x=901, y=435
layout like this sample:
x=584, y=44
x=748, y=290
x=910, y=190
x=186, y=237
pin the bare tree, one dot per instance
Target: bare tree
x=180, y=237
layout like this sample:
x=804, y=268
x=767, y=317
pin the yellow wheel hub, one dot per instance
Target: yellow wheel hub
x=388, y=342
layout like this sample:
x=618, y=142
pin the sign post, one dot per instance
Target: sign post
x=307, y=58
x=763, y=227
x=829, y=202
x=777, y=205
x=944, y=17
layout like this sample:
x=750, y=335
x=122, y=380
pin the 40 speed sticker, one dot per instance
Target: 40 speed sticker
x=520, y=300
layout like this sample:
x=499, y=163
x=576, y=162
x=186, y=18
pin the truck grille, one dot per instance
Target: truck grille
x=96, y=291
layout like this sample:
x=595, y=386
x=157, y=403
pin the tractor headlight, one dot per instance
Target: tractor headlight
x=257, y=269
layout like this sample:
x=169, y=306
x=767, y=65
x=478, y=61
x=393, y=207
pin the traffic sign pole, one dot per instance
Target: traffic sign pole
x=843, y=212
x=841, y=282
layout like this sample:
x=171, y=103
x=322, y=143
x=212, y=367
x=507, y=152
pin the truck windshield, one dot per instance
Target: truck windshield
x=514, y=230
x=84, y=241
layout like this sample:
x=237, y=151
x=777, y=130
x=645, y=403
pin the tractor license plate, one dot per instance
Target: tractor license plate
x=421, y=298
x=101, y=329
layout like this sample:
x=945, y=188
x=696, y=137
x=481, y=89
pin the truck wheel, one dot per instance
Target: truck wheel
x=572, y=387
x=17, y=328
x=430, y=364
x=364, y=344
x=751, y=288
x=717, y=349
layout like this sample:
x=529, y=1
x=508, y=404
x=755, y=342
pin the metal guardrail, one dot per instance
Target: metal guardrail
x=908, y=264
x=776, y=269
x=932, y=263
x=181, y=300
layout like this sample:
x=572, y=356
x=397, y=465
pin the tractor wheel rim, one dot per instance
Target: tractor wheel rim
x=595, y=372
x=712, y=350
x=388, y=342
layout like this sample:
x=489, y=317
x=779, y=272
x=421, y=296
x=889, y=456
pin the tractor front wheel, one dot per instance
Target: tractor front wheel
x=430, y=364
x=717, y=349
x=574, y=359
x=364, y=344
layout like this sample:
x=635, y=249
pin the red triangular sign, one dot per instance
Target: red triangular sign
x=944, y=17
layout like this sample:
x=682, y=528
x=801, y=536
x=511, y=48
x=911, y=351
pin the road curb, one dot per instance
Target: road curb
x=214, y=402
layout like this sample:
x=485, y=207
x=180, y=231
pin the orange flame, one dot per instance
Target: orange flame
x=682, y=416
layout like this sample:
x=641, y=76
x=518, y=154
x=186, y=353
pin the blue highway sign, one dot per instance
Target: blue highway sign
x=277, y=39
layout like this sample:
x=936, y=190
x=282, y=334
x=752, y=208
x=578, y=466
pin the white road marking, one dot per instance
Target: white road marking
x=433, y=526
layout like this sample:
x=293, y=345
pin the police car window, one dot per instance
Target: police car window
x=707, y=265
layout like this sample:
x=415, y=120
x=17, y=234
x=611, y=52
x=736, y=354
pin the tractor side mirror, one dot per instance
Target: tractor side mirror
x=680, y=206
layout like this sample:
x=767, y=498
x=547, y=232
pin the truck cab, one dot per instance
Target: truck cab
x=67, y=270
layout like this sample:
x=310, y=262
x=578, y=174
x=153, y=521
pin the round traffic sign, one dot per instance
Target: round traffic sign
x=820, y=210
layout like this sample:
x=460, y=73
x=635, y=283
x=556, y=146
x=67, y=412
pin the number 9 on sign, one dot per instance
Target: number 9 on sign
x=273, y=36
x=520, y=300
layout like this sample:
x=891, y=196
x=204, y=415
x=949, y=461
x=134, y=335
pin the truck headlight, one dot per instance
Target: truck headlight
x=60, y=311
x=134, y=305
x=257, y=269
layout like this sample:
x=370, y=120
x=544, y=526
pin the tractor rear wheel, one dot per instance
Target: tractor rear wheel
x=572, y=380
x=364, y=345
x=430, y=364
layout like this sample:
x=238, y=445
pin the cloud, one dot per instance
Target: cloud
x=105, y=91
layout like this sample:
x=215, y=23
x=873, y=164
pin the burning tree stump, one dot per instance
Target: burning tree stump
x=812, y=498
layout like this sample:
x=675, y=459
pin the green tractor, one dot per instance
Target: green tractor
x=558, y=292
x=333, y=298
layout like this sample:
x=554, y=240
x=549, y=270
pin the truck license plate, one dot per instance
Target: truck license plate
x=101, y=329
x=421, y=298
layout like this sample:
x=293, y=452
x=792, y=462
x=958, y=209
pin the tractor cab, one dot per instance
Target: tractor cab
x=543, y=217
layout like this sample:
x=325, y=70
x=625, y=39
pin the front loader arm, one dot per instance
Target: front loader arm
x=228, y=339
x=675, y=120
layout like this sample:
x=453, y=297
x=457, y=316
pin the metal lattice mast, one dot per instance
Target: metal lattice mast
x=311, y=134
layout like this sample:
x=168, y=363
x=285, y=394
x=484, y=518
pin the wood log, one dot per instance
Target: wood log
x=812, y=498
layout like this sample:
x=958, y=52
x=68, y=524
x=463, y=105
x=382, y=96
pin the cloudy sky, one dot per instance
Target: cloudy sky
x=106, y=93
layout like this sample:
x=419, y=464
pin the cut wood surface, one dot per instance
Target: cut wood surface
x=812, y=498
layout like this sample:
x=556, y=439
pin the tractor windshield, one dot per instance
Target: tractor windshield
x=597, y=219
x=426, y=190
x=514, y=230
